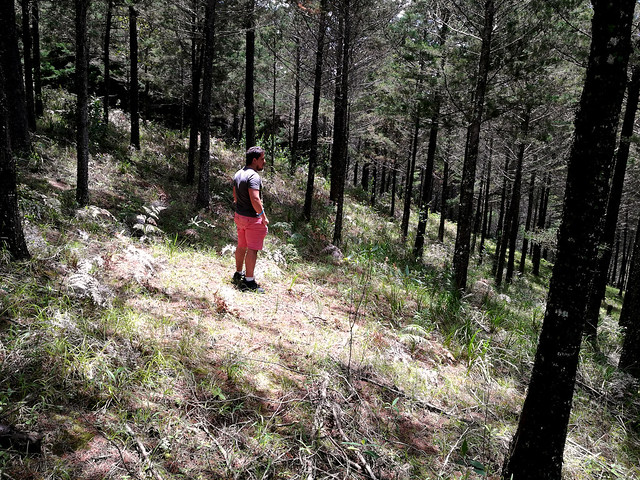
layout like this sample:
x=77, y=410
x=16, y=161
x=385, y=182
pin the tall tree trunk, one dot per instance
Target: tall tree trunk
x=107, y=62
x=197, y=60
x=14, y=85
x=625, y=249
x=133, y=88
x=599, y=285
x=274, y=91
x=542, y=221
x=537, y=448
x=82, y=109
x=296, y=109
x=203, y=198
x=409, y=179
x=27, y=45
x=250, y=51
x=485, y=217
x=477, y=218
x=613, y=278
x=527, y=224
x=394, y=177
x=374, y=188
x=444, y=195
x=338, y=116
x=37, y=71
x=340, y=139
x=315, y=112
x=427, y=191
x=461, y=252
x=515, y=202
x=630, y=355
x=502, y=215
x=11, y=234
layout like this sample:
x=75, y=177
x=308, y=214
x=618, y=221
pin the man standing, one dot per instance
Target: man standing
x=250, y=219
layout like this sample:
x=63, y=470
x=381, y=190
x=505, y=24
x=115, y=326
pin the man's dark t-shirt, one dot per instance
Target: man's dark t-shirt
x=243, y=180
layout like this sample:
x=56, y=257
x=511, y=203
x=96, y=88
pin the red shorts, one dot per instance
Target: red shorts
x=251, y=231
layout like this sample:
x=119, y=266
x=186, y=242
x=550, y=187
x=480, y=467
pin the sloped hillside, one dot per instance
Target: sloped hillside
x=127, y=352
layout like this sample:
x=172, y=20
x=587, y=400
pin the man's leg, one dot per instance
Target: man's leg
x=250, y=262
x=240, y=257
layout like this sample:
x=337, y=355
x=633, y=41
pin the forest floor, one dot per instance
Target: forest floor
x=126, y=348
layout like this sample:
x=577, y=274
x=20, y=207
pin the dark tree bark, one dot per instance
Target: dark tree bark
x=339, y=115
x=14, y=85
x=315, y=112
x=542, y=221
x=427, y=191
x=296, y=109
x=197, y=52
x=504, y=195
x=394, y=177
x=203, y=198
x=341, y=129
x=355, y=173
x=107, y=62
x=27, y=45
x=133, y=87
x=477, y=218
x=445, y=193
x=537, y=448
x=485, y=217
x=374, y=187
x=527, y=224
x=250, y=52
x=82, y=109
x=625, y=249
x=630, y=308
x=364, y=181
x=630, y=355
x=11, y=234
x=461, y=252
x=274, y=91
x=515, y=201
x=599, y=285
x=37, y=72
x=612, y=280
x=409, y=178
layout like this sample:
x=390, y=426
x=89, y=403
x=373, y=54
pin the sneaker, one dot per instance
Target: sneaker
x=237, y=280
x=251, y=286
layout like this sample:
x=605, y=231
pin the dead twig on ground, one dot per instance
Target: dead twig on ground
x=400, y=393
x=143, y=452
x=363, y=462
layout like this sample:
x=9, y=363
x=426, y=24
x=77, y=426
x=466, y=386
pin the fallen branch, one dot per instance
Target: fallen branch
x=396, y=391
x=363, y=462
x=143, y=452
x=113, y=442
